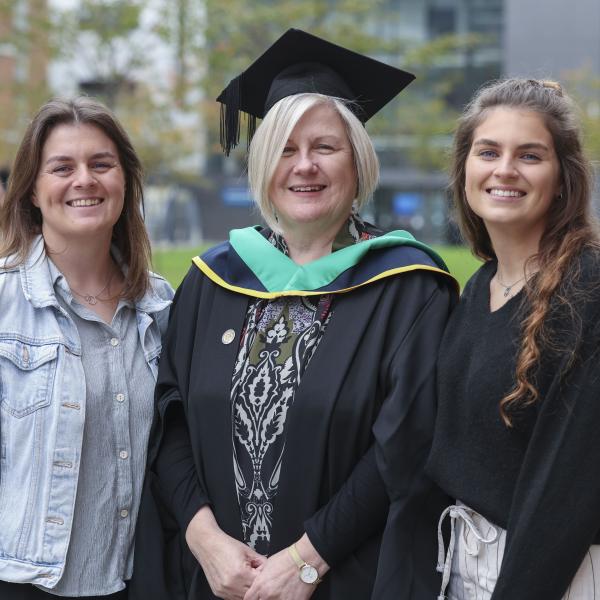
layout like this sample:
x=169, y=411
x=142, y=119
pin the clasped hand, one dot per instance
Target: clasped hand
x=236, y=572
x=230, y=566
x=278, y=579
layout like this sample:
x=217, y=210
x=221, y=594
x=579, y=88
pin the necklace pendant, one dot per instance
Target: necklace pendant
x=90, y=299
x=507, y=291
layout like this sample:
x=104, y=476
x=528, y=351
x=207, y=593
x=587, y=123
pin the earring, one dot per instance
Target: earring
x=560, y=196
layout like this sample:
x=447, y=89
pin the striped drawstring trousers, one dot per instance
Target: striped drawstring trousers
x=471, y=565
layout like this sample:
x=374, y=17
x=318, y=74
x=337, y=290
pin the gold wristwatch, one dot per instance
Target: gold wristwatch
x=308, y=573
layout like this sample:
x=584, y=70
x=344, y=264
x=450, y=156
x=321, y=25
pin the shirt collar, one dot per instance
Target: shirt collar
x=40, y=278
x=36, y=281
x=59, y=283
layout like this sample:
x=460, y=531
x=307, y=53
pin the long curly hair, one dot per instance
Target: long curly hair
x=20, y=220
x=570, y=225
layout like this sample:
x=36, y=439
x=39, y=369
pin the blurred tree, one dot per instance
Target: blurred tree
x=584, y=86
x=117, y=45
x=26, y=48
x=105, y=41
x=427, y=115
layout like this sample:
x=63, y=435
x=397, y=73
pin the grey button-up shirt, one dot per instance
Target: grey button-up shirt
x=119, y=405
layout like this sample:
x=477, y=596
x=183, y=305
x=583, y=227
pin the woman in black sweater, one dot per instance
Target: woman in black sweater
x=517, y=441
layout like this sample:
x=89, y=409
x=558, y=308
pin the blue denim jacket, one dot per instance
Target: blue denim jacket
x=42, y=412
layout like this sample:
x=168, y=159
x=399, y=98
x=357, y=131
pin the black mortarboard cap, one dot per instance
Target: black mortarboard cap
x=299, y=62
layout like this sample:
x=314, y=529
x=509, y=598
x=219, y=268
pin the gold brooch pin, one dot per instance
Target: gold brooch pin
x=228, y=336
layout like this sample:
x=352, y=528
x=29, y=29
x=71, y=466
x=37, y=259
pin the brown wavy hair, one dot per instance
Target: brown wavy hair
x=570, y=226
x=21, y=221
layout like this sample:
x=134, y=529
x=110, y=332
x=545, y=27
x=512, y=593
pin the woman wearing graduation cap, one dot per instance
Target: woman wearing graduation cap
x=296, y=388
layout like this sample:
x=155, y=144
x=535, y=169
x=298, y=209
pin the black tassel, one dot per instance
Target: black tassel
x=251, y=129
x=230, y=116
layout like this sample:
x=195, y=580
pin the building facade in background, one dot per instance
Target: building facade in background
x=550, y=39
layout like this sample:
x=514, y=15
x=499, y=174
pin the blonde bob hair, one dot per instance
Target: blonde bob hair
x=272, y=135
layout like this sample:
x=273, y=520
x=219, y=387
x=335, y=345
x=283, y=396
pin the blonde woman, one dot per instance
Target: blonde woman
x=296, y=392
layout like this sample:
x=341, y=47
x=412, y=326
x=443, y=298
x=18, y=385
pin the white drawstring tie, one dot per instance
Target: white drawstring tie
x=458, y=511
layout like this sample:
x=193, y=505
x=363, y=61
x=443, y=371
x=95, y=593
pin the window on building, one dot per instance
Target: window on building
x=441, y=20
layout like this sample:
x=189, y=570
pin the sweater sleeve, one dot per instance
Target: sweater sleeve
x=555, y=512
x=393, y=466
x=353, y=515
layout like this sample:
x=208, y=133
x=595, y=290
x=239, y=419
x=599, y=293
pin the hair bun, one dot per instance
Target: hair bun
x=553, y=85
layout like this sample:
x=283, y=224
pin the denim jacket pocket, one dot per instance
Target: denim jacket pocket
x=27, y=373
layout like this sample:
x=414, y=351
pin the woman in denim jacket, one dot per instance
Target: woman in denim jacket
x=80, y=336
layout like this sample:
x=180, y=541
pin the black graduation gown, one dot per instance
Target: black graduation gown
x=369, y=391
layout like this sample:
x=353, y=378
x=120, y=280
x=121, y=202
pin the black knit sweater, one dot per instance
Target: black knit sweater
x=540, y=479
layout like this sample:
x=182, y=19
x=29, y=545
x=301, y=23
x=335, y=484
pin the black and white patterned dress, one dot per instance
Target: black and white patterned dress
x=278, y=340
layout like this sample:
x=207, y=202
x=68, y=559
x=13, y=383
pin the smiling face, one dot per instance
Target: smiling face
x=80, y=187
x=315, y=180
x=512, y=173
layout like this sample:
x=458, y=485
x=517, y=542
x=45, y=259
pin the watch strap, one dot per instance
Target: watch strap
x=293, y=551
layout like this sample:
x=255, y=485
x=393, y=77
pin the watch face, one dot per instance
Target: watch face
x=308, y=574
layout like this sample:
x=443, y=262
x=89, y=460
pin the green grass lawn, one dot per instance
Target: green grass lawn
x=460, y=261
x=174, y=263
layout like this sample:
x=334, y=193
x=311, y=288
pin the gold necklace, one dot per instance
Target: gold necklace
x=508, y=288
x=92, y=299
